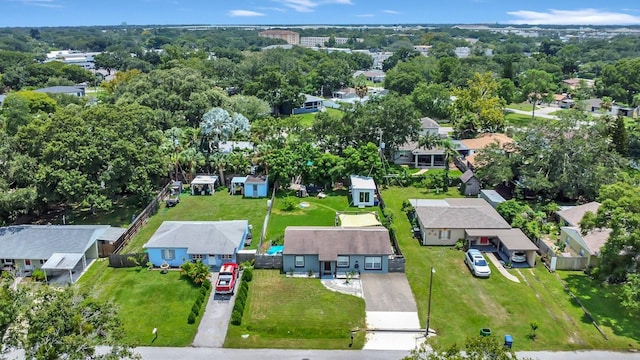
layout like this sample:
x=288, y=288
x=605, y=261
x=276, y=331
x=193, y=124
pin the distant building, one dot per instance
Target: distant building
x=321, y=41
x=291, y=37
x=462, y=51
x=78, y=91
x=72, y=57
x=422, y=49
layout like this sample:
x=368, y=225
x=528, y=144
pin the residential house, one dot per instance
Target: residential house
x=333, y=251
x=256, y=186
x=344, y=93
x=563, y=101
x=78, y=91
x=56, y=249
x=585, y=246
x=227, y=147
x=572, y=215
x=473, y=147
x=472, y=220
x=375, y=75
x=289, y=36
x=311, y=104
x=574, y=83
x=422, y=49
x=363, y=191
x=595, y=106
x=212, y=242
x=469, y=184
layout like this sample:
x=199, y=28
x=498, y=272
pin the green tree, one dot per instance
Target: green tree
x=631, y=293
x=478, y=108
x=476, y=348
x=432, y=100
x=534, y=84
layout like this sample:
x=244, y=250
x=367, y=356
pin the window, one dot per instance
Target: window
x=196, y=256
x=168, y=254
x=343, y=261
x=226, y=256
x=373, y=263
x=299, y=261
x=444, y=234
x=42, y=261
x=364, y=196
x=7, y=261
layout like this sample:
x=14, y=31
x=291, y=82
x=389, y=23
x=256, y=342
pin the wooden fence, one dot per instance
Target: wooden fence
x=139, y=221
x=123, y=260
x=396, y=264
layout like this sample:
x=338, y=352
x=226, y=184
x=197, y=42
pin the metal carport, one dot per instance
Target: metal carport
x=511, y=239
x=62, y=261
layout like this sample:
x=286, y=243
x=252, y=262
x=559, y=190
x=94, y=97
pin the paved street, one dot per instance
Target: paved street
x=215, y=320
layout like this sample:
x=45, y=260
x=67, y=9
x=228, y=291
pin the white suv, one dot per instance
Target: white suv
x=477, y=263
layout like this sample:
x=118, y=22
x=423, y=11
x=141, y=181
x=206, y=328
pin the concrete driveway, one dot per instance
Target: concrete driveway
x=392, y=314
x=215, y=321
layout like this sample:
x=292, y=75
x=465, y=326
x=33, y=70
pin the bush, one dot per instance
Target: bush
x=236, y=318
x=199, y=301
x=244, y=285
x=206, y=284
x=204, y=291
x=239, y=307
x=37, y=275
x=247, y=274
x=195, y=309
x=288, y=203
x=192, y=318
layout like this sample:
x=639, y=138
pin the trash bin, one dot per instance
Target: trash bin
x=508, y=341
x=485, y=332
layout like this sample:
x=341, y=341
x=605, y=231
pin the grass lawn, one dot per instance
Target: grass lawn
x=308, y=118
x=462, y=304
x=525, y=106
x=146, y=300
x=321, y=212
x=602, y=302
x=119, y=215
x=219, y=206
x=309, y=316
x=517, y=120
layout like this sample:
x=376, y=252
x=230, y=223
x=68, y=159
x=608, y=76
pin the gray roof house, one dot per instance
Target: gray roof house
x=572, y=216
x=330, y=250
x=212, y=242
x=473, y=220
x=50, y=247
x=69, y=90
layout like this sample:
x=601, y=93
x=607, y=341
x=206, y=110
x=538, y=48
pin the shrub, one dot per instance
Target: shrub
x=288, y=203
x=204, y=291
x=247, y=274
x=236, y=318
x=244, y=285
x=6, y=275
x=37, y=275
x=206, y=284
x=195, y=309
x=192, y=318
x=199, y=301
x=239, y=307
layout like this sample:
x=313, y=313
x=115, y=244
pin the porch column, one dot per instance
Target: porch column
x=70, y=277
x=432, y=157
x=84, y=261
x=416, y=160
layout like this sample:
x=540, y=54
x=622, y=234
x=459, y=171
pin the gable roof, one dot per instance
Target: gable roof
x=466, y=176
x=200, y=237
x=328, y=241
x=41, y=241
x=463, y=213
x=594, y=240
x=484, y=140
x=574, y=215
x=362, y=182
x=429, y=123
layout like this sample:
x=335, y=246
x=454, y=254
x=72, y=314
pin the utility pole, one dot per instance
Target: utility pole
x=433, y=270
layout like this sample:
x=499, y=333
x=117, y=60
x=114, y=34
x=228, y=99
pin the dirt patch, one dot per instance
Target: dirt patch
x=491, y=306
x=523, y=278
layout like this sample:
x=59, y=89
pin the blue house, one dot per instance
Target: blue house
x=213, y=242
x=363, y=191
x=256, y=186
x=329, y=251
x=311, y=104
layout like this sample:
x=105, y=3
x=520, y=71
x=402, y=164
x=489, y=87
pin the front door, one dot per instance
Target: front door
x=327, y=268
x=484, y=240
x=27, y=264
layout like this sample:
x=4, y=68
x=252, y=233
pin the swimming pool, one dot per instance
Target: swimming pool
x=274, y=250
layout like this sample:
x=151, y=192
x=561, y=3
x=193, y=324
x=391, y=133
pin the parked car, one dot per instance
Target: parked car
x=519, y=257
x=227, y=278
x=477, y=263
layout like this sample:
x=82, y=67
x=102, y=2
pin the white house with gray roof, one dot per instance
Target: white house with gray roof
x=53, y=248
x=212, y=242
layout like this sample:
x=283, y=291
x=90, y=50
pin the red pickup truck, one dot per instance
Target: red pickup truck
x=227, y=278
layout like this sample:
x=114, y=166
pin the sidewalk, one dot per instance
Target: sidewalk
x=501, y=268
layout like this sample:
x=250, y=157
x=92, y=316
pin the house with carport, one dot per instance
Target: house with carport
x=63, y=252
x=475, y=222
x=212, y=242
x=330, y=251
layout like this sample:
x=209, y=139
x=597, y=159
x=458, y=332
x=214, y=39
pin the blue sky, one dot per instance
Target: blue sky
x=140, y=12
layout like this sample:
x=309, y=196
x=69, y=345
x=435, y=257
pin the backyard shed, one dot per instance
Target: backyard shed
x=256, y=186
x=470, y=185
x=203, y=185
x=363, y=191
x=237, y=185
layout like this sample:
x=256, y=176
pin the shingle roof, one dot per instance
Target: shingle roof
x=41, y=241
x=574, y=214
x=463, y=213
x=594, y=239
x=199, y=237
x=329, y=242
x=251, y=179
x=466, y=176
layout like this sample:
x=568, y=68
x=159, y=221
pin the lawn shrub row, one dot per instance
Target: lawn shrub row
x=200, y=300
x=241, y=298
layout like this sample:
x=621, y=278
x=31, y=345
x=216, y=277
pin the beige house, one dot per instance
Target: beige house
x=586, y=246
x=473, y=220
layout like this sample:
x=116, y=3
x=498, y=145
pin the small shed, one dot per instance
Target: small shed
x=492, y=197
x=203, y=185
x=256, y=186
x=363, y=190
x=237, y=185
x=470, y=185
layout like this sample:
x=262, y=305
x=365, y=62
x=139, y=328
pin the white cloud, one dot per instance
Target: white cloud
x=572, y=17
x=267, y=8
x=40, y=3
x=392, y=12
x=365, y=15
x=244, y=13
x=310, y=5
